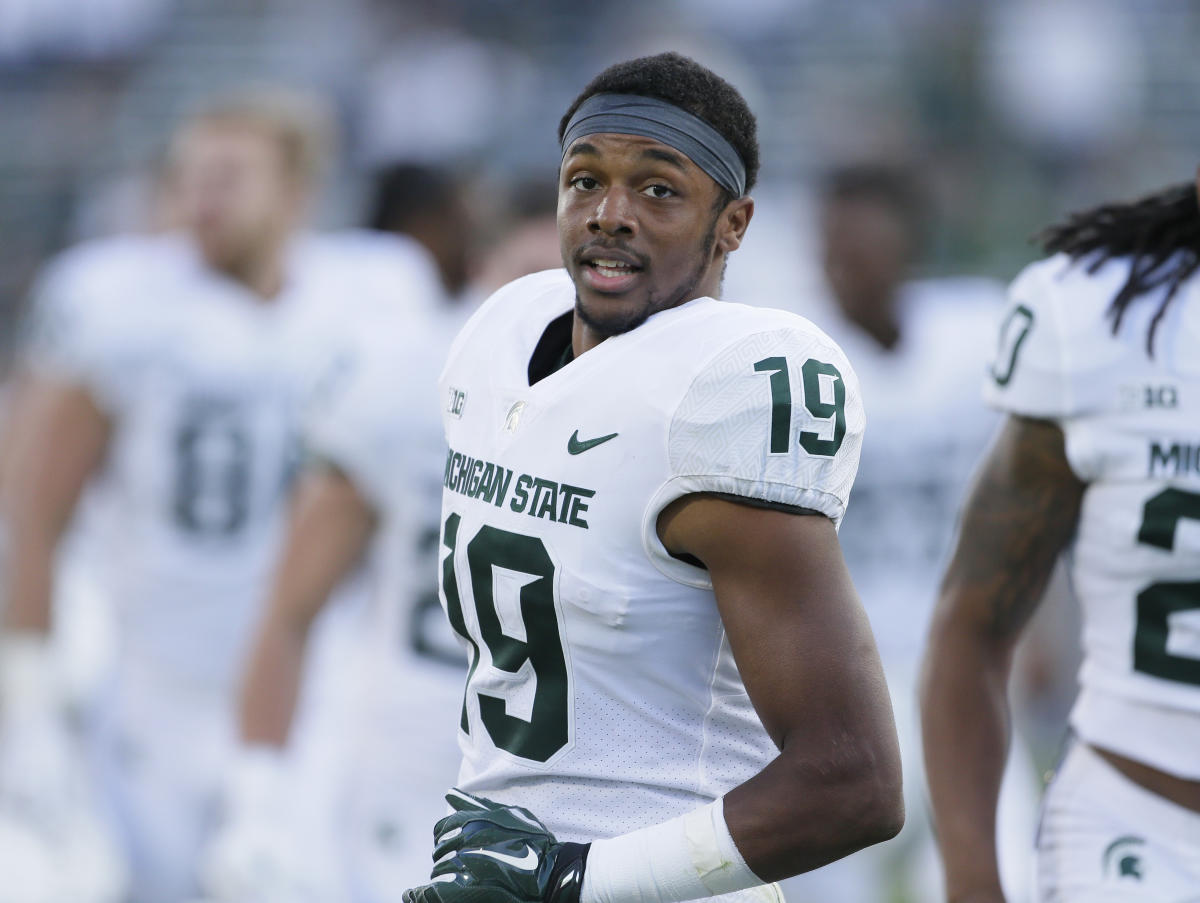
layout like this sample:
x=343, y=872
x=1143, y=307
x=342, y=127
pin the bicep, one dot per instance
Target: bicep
x=59, y=437
x=797, y=630
x=329, y=529
x=1020, y=514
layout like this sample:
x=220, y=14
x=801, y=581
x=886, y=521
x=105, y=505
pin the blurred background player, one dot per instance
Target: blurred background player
x=175, y=367
x=372, y=490
x=1098, y=372
x=918, y=347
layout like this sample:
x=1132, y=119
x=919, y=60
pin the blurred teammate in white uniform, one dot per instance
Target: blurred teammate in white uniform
x=372, y=489
x=1097, y=368
x=668, y=664
x=176, y=367
x=918, y=348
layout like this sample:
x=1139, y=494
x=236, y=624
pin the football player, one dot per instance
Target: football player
x=1097, y=371
x=673, y=691
x=917, y=347
x=175, y=367
x=372, y=491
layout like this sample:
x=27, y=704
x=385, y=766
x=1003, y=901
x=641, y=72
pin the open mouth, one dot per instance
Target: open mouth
x=609, y=273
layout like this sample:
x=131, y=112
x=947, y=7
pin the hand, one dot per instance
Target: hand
x=263, y=853
x=43, y=779
x=486, y=852
x=261, y=863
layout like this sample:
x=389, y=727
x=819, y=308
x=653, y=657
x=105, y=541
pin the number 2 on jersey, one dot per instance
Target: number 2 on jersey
x=1157, y=602
x=496, y=557
x=781, y=405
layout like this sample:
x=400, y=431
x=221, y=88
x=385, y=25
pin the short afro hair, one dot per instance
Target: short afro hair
x=682, y=81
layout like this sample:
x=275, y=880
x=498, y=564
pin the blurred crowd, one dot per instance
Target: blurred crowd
x=910, y=149
x=1010, y=112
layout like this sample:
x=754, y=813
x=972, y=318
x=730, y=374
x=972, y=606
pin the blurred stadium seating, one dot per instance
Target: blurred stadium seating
x=89, y=88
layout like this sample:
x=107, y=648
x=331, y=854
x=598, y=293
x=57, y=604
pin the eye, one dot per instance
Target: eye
x=584, y=183
x=660, y=192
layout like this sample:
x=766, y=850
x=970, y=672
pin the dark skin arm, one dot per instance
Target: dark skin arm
x=329, y=529
x=808, y=659
x=58, y=440
x=1021, y=513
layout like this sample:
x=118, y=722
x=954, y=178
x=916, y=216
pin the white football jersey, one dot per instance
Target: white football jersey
x=602, y=694
x=1132, y=427
x=204, y=385
x=928, y=431
x=377, y=418
x=379, y=422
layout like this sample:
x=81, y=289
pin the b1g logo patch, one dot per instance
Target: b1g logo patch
x=1132, y=398
x=456, y=402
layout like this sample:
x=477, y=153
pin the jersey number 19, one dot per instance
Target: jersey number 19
x=497, y=558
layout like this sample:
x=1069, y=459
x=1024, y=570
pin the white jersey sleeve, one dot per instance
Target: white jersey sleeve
x=374, y=413
x=1032, y=372
x=85, y=321
x=343, y=428
x=774, y=418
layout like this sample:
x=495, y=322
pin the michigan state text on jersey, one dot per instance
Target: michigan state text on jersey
x=641, y=498
x=1096, y=367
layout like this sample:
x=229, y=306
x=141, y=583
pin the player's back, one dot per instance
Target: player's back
x=1131, y=420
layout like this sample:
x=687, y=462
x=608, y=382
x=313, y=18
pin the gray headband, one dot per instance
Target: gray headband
x=632, y=114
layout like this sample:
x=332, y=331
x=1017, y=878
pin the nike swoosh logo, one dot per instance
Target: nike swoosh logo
x=526, y=863
x=577, y=446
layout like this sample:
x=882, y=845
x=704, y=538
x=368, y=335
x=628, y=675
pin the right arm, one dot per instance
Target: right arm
x=330, y=527
x=56, y=444
x=1022, y=512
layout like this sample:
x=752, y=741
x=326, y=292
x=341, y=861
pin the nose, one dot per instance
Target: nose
x=613, y=214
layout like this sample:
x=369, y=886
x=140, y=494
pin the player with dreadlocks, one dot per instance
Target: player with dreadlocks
x=1098, y=372
x=1159, y=233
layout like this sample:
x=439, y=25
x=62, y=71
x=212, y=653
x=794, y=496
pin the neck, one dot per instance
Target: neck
x=261, y=274
x=880, y=323
x=583, y=337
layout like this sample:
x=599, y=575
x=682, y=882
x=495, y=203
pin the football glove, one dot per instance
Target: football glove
x=43, y=778
x=486, y=852
x=262, y=852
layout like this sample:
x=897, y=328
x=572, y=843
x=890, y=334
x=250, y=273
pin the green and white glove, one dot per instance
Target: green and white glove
x=485, y=852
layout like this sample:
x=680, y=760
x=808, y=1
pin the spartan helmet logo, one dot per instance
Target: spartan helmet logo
x=513, y=420
x=1122, y=860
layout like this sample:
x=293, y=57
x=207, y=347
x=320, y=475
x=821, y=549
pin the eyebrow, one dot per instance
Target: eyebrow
x=582, y=147
x=675, y=160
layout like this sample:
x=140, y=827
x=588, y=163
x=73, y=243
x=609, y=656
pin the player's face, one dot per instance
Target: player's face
x=232, y=190
x=865, y=254
x=640, y=230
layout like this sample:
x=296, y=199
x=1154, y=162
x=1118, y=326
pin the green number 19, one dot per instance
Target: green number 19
x=781, y=405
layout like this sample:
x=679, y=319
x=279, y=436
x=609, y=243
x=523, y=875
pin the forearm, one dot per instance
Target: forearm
x=28, y=577
x=786, y=820
x=63, y=437
x=330, y=529
x=966, y=724
x=272, y=684
x=797, y=815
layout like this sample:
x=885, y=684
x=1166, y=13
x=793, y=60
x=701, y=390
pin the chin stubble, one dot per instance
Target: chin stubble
x=617, y=325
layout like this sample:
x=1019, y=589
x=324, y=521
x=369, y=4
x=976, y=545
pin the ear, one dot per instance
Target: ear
x=735, y=219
